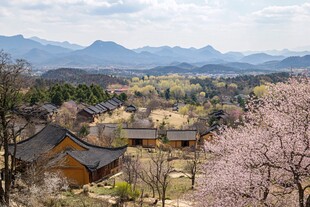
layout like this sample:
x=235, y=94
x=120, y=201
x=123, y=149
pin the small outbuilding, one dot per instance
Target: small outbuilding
x=145, y=137
x=182, y=138
x=131, y=108
x=209, y=134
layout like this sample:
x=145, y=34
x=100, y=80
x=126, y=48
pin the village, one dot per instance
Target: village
x=95, y=148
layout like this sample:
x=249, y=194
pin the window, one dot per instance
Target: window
x=185, y=143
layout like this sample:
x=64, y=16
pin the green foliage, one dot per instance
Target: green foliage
x=123, y=97
x=259, y=91
x=164, y=139
x=241, y=102
x=59, y=93
x=125, y=191
x=84, y=131
x=120, y=137
x=57, y=98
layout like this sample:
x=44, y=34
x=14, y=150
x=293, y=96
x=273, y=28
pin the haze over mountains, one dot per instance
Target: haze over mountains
x=107, y=54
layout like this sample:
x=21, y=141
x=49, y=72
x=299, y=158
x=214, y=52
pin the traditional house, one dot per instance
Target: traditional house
x=113, y=103
x=48, y=110
x=131, y=108
x=145, y=137
x=108, y=105
x=182, y=138
x=208, y=134
x=119, y=102
x=101, y=108
x=86, y=114
x=81, y=162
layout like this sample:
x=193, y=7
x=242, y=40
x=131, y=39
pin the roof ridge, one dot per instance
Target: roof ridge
x=51, y=123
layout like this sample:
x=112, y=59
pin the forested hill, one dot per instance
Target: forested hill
x=78, y=76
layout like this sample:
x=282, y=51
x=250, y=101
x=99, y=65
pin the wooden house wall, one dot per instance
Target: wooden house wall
x=110, y=169
x=84, y=116
x=75, y=172
x=178, y=143
x=145, y=143
x=149, y=142
x=65, y=144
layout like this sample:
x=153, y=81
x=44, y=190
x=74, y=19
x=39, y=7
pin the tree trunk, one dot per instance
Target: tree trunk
x=7, y=173
x=193, y=181
x=163, y=198
x=300, y=194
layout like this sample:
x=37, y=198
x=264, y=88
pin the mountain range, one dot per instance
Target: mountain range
x=43, y=53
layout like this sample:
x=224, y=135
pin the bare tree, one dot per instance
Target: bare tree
x=39, y=183
x=191, y=167
x=10, y=86
x=131, y=167
x=105, y=139
x=156, y=174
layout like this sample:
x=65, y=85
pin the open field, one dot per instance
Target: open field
x=173, y=119
x=117, y=116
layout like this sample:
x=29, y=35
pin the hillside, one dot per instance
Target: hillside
x=108, y=54
x=78, y=76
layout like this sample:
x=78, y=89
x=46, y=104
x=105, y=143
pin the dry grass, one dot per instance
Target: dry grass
x=174, y=119
x=117, y=116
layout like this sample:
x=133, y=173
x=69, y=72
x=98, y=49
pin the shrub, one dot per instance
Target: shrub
x=125, y=192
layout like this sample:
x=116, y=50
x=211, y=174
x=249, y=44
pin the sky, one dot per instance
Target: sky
x=227, y=25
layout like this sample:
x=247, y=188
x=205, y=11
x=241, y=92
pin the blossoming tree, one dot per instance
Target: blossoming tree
x=266, y=160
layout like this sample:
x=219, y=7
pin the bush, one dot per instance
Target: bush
x=125, y=192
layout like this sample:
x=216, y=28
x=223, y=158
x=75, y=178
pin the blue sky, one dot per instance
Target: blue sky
x=237, y=25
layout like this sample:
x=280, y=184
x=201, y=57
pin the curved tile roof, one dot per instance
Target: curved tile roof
x=41, y=143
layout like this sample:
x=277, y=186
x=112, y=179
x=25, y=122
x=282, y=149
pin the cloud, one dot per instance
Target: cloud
x=282, y=14
x=133, y=23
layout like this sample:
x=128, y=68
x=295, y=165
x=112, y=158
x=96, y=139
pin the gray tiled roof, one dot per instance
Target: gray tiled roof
x=137, y=133
x=49, y=107
x=113, y=103
x=117, y=101
x=91, y=112
x=182, y=135
x=93, y=157
x=95, y=109
x=102, y=108
x=108, y=105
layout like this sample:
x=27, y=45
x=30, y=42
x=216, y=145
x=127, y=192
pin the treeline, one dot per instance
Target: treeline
x=59, y=93
x=237, y=85
x=78, y=76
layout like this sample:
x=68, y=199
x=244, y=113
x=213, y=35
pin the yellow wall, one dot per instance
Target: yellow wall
x=149, y=142
x=67, y=143
x=145, y=143
x=178, y=144
x=75, y=172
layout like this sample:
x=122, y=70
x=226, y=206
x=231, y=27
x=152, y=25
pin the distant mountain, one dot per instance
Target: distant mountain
x=36, y=56
x=108, y=54
x=233, y=56
x=186, y=66
x=64, y=44
x=180, y=54
x=18, y=46
x=259, y=58
x=106, y=50
x=295, y=62
x=229, y=68
x=285, y=52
